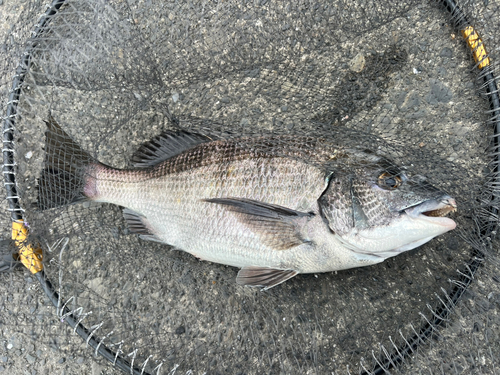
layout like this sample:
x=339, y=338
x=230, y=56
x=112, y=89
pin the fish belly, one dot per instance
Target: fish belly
x=175, y=209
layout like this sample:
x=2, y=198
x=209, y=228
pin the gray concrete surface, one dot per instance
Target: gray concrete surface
x=28, y=324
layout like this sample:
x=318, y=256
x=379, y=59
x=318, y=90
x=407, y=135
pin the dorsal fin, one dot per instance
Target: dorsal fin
x=165, y=146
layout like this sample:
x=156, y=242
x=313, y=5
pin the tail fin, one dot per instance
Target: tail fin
x=66, y=169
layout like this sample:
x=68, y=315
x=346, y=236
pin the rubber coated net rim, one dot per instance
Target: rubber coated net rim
x=395, y=358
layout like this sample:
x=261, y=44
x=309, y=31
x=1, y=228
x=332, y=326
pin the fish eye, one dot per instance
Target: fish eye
x=389, y=181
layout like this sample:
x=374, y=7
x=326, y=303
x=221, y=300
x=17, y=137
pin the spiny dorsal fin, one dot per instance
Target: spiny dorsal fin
x=277, y=227
x=263, y=276
x=165, y=146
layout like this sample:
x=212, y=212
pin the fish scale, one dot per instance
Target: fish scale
x=275, y=206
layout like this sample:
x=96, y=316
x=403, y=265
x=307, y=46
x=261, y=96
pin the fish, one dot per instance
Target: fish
x=272, y=205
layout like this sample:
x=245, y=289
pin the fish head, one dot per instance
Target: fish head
x=374, y=207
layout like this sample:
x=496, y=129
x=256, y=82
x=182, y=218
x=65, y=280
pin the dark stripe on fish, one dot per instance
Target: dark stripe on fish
x=312, y=151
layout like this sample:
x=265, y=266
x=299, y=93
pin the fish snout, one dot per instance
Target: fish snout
x=434, y=207
x=446, y=205
x=449, y=201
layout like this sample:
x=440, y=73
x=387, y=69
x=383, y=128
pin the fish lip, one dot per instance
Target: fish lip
x=434, y=210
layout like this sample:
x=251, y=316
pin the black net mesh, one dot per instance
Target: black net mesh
x=393, y=76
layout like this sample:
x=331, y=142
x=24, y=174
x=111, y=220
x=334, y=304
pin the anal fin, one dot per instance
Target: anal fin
x=263, y=276
x=138, y=224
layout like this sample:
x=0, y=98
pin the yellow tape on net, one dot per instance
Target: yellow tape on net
x=30, y=256
x=477, y=46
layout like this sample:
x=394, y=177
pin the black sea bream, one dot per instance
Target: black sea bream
x=274, y=206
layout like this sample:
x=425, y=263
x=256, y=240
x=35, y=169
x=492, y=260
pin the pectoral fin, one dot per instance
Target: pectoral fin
x=278, y=227
x=263, y=276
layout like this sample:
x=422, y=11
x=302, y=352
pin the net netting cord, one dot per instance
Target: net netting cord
x=30, y=254
x=442, y=313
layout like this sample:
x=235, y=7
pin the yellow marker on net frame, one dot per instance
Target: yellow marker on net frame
x=29, y=255
x=476, y=44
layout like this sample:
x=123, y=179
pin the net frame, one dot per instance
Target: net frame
x=440, y=314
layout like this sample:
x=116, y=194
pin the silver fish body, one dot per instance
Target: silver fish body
x=181, y=216
x=273, y=206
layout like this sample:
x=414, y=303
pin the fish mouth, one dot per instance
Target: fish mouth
x=434, y=210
